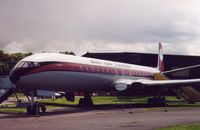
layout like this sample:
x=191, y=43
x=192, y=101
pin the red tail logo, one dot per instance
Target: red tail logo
x=160, y=58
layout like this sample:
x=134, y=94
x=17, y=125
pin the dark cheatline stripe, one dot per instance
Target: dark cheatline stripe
x=89, y=69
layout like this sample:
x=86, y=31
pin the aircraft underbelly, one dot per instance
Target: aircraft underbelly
x=71, y=81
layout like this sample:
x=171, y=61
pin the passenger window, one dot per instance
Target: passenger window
x=81, y=68
x=101, y=70
x=107, y=70
x=97, y=69
x=129, y=73
x=122, y=72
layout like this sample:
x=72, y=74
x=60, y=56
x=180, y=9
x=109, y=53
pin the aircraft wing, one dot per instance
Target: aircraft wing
x=123, y=84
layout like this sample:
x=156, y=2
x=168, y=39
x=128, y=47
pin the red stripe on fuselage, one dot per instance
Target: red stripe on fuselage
x=90, y=69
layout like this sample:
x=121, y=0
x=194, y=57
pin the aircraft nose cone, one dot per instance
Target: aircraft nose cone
x=15, y=75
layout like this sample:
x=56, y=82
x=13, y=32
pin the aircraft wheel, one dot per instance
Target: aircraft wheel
x=43, y=109
x=85, y=102
x=32, y=110
x=89, y=102
x=81, y=102
x=157, y=101
x=191, y=102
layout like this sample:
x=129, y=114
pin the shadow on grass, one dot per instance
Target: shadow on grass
x=69, y=109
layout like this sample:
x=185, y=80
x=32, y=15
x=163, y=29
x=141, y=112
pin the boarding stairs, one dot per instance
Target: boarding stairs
x=189, y=93
x=6, y=88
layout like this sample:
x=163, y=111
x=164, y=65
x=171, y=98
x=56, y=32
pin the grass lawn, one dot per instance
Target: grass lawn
x=194, y=126
x=60, y=101
x=105, y=100
x=12, y=110
x=97, y=100
x=20, y=95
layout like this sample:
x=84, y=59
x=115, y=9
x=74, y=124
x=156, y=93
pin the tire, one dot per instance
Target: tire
x=85, y=102
x=81, y=102
x=43, y=109
x=32, y=111
x=157, y=101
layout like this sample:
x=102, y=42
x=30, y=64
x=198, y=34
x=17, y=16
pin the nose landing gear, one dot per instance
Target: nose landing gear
x=35, y=108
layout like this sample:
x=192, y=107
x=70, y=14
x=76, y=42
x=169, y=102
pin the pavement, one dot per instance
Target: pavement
x=108, y=118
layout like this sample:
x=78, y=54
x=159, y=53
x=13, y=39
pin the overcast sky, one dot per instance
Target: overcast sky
x=100, y=26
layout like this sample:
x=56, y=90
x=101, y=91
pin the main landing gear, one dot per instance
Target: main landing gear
x=158, y=101
x=86, y=101
x=35, y=108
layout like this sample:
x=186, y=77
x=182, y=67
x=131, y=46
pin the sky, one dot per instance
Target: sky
x=100, y=26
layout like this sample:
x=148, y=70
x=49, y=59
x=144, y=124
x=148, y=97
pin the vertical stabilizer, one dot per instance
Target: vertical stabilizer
x=160, y=58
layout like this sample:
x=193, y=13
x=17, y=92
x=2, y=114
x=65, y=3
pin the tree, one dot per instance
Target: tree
x=8, y=61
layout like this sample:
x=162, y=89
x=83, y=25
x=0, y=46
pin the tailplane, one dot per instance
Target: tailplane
x=160, y=65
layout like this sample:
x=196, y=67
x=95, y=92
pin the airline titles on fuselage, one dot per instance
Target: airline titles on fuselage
x=110, y=64
x=101, y=63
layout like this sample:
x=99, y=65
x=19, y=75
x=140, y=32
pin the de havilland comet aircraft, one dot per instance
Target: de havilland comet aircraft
x=69, y=74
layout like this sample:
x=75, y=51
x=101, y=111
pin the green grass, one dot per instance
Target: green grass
x=60, y=101
x=194, y=126
x=124, y=99
x=110, y=100
x=98, y=100
x=172, y=98
x=20, y=95
x=12, y=110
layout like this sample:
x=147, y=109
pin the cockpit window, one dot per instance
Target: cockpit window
x=36, y=64
x=26, y=64
x=31, y=65
x=19, y=64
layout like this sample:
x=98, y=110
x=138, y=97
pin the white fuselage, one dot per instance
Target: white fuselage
x=60, y=72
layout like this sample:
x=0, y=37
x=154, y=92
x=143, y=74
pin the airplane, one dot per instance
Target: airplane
x=69, y=74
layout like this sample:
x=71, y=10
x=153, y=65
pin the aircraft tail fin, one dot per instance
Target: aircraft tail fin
x=160, y=65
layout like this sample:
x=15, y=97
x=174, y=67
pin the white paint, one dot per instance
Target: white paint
x=57, y=57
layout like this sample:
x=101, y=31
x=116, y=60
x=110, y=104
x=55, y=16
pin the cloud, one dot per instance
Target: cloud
x=93, y=25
